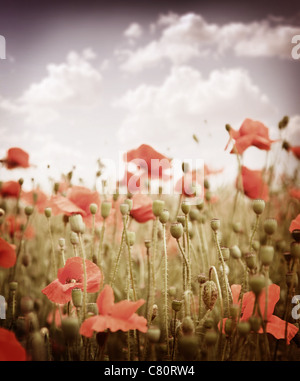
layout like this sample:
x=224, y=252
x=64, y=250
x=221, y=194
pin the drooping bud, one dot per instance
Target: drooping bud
x=105, y=209
x=210, y=294
x=176, y=230
x=258, y=206
x=157, y=207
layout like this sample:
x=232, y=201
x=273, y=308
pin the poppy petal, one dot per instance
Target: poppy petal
x=126, y=308
x=10, y=348
x=57, y=293
x=86, y=328
x=105, y=300
x=276, y=327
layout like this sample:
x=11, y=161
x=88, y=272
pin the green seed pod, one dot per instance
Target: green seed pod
x=250, y=259
x=234, y=311
x=148, y=243
x=185, y=207
x=296, y=235
x=258, y=206
x=270, y=226
x=76, y=223
x=105, y=209
x=74, y=238
x=131, y=238
x=237, y=227
x=13, y=286
x=257, y=283
x=93, y=208
x=255, y=323
x=215, y=224
x=164, y=216
x=295, y=249
x=256, y=245
x=153, y=334
x=243, y=328
x=235, y=252
x=62, y=243
x=176, y=230
x=200, y=205
x=157, y=207
x=225, y=253
x=206, y=184
x=181, y=220
x=48, y=212
x=187, y=326
x=176, y=305
x=124, y=209
x=194, y=215
x=211, y=337
x=266, y=255
x=28, y=210
x=26, y=305
x=229, y=325
x=92, y=308
x=210, y=294
x=70, y=327
x=77, y=297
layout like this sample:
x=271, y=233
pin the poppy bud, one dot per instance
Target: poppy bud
x=153, y=334
x=56, y=187
x=295, y=249
x=208, y=195
x=225, y=253
x=92, y=308
x=228, y=326
x=28, y=210
x=176, y=230
x=164, y=216
x=129, y=202
x=234, y=310
x=266, y=255
x=25, y=260
x=258, y=206
x=157, y=207
x=74, y=238
x=210, y=294
x=296, y=235
x=77, y=297
x=62, y=243
x=235, y=252
x=215, y=224
x=255, y=323
x=131, y=238
x=70, y=327
x=202, y=278
x=210, y=337
x=194, y=215
x=48, y=212
x=13, y=286
x=257, y=283
x=227, y=127
x=237, y=227
x=255, y=245
x=148, y=243
x=283, y=123
x=21, y=181
x=200, y=205
x=124, y=209
x=243, y=328
x=76, y=223
x=105, y=209
x=26, y=304
x=270, y=226
x=172, y=291
x=187, y=326
x=185, y=207
x=176, y=305
x=93, y=208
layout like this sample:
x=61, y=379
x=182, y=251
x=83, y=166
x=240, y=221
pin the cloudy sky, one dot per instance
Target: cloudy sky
x=89, y=80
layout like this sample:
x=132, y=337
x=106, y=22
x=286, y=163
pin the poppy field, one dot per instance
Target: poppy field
x=202, y=274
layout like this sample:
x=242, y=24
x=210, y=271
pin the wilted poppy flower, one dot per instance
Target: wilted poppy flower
x=10, y=189
x=37, y=198
x=142, y=208
x=15, y=158
x=119, y=316
x=7, y=254
x=295, y=224
x=153, y=162
x=253, y=184
x=10, y=348
x=71, y=276
x=251, y=133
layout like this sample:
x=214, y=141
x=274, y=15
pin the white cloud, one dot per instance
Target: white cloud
x=133, y=31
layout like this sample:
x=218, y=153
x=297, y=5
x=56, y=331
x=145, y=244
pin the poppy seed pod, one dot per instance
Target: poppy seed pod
x=176, y=230
x=255, y=323
x=225, y=253
x=164, y=216
x=13, y=286
x=296, y=235
x=270, y=226
x=124, y=209
x=105, y=209
x=76, y=223
x=257, y=283
x=215, y=224
x=194, y=215
x=131, y=238
x=234, y=311
x=93, y=208
x=243, y=328
x=229, y=324
x=77, y=297
x=210, y=294
x=61, y=242
x=74, y=238
x=176, y=305
x=70, y=327
x=295, y=249
x=129, y=202
x=266, y=255
x=187, y=326
x=148, y=243
x=210, y=337
x=153, y=334
x=237, y=227
x=235, y=252
x=48, y=212
x=92, y=308
x=185, y=207
x=200, y=205
x=157, y=207
x=256, y=245
x=258, y=206
x=250, y=259
x=28, y=210
x=181, y=219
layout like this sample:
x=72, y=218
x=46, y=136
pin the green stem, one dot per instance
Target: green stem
x=254, y=230
x=84, y=277
x=166, y=288
x=54, y=265
x=101, y=245
x=129, y=259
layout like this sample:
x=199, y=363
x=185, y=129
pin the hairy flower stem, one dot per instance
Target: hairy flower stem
x=129, y=259
x=205, y=248
x=200, y=302
x=84, y=278
x=166, y=289
x=155, y=227
x=213, y=270
x=93, y=238
x=254, y=231
x=101, y=245
x=201, y=249
x=118, y=256
x=174, y=337
x=189, y=279
x=267, y=294
x=53, y=259
x=188, y=311
x=14, y=270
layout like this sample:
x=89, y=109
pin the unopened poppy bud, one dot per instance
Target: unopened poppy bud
x=124, y=209
x=255, y=323
x=76, y=223
x=105, y=209
x=229, y=324
x=25, y=260
x=92, y=308
x=202, y=278
x=21, y=181
x=153, y=334
x=56, y=187
x=176, y=305
x=295, y=249
x=225, y=253
x=157, y=207
x=48, y=212
x=296, y=235
x=208, y=195
x=243, y=328
x=147, y=243
x=13, y=286
x=291, y=279
x=185, y=207
x=93, y=208
x=200, y=205
x=257, y=283
x=28, y=210
x=215, y=224
x=270, y=226
x=176, y=230
x=210, y=294
x=26, y=305
x=266, y=255
x=129, y=202
x=237, y=227
x=172, y=291
x=131, y=238
x=234, y=310
x=194, y=215
x=164, y=216
x=62, y=242
x=74, y=238
x=250, y=259
x=70, y=327
x=235, y=252
x=187, y=326
x=255, y=245
x=227, y=127
x=283, y=123
x=77, y=297
x=210, y=337
x=258, y=206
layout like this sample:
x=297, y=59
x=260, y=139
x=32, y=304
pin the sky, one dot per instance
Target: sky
x=89, y=80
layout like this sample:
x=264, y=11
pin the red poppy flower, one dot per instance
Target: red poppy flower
x=148, y=159
x=119, y=316
x=62, y=205
x=7, y=254
x=10, y=189
x=253, y=184
x=14, y=226
x=37, y=198
x=10, y=348
x=295, y=224
x=71, y=276
x=295, y=193
x=15, y=158
x=251, y=133
x=142, y=208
